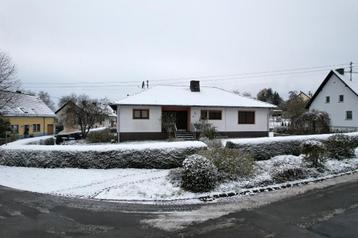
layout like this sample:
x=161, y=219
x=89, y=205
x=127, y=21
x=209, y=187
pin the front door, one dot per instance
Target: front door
x=182, y=120
x=50, y=129
x=26, y=131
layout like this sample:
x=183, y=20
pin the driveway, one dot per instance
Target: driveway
x=327, y=212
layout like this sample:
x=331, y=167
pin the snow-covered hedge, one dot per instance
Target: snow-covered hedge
x=268, y=147
x=136, y=155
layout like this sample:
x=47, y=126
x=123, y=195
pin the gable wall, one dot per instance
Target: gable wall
x=336, y=110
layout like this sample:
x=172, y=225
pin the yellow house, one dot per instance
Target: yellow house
x=29, y=116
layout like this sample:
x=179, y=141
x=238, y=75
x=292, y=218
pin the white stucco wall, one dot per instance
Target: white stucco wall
x=337, y=110
x=229, y=121
x=128, y=124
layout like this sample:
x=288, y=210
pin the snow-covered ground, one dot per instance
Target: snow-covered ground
x=142, y=184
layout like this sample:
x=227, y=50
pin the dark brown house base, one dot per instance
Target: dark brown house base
x=138, y=136
x=244, y=134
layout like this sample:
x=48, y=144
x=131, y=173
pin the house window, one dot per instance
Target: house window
x=203, y=115
x=246, y=117
x=328, y=99
x=211, y=115
x=214, y=115
x=140, y=113
x=349, y=115
x=36, y=127
x=15, y=128
x=341, y=98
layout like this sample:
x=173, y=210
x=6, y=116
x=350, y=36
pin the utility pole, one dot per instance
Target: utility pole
x=351, y=70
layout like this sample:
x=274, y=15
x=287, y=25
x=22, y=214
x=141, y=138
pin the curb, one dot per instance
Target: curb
x=281, y=186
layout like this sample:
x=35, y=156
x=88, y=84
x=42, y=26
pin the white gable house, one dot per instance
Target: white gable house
x=140, y=115
x=338, y=96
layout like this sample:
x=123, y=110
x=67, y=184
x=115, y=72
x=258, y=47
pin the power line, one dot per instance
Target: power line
x=206, y=78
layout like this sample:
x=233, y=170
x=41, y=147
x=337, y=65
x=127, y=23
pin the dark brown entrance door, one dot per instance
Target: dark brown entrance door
x=182, y=120
x=50, y=129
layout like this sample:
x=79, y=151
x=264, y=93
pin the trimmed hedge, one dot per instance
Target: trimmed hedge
x=267, y=149
x=117, y=158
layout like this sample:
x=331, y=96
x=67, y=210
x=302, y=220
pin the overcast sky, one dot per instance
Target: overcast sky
x=107, y=48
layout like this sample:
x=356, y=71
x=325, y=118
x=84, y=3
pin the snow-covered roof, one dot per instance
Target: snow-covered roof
x=346, y=78
x=26, y=105
x=110, y=112
x=183, y=96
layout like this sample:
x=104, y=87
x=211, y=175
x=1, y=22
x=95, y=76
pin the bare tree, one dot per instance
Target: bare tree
x=64, y=99
x=46, y=98
x=87, y=112
x=8, y=82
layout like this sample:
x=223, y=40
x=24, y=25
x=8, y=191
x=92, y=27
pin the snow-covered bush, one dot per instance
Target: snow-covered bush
x=340, y=146
x=43, y=140
x=265, y=151
x=266, y=148
x=102, y=136
x=312, y=122
x=161, y=155
x=231, y=163
x=289, y=174
x=206, y=129
x=199, y=174
x=314, y=152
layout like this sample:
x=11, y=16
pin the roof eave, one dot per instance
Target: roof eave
x=182, y=105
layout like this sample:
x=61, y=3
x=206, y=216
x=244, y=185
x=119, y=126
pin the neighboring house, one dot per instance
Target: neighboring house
x=140, y=115
x=338, y=96
x=70, y=125
x=304, y=96
x=29, y=115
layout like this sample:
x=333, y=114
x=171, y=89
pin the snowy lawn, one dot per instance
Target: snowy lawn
x=145, y=184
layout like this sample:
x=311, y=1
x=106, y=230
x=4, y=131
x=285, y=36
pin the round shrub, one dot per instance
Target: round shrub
x=314, y=152
x=340, y=147
x=231, y=163
x=199, y=174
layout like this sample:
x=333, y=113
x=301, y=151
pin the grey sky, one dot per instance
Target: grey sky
x=107, y=48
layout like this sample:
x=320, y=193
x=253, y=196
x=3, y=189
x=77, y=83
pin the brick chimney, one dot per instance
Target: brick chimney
x=195, y=86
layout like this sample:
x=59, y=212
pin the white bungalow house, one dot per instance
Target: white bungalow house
x=338, y=96
x=140, y=116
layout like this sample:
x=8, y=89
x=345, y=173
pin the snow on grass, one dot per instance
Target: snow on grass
x=91, y=183
x=143, y=184
x=27, y=141
x=282, y=138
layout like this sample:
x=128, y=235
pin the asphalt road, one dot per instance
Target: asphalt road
x=329, y=212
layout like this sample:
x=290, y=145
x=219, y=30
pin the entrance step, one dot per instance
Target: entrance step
x=184, y=135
